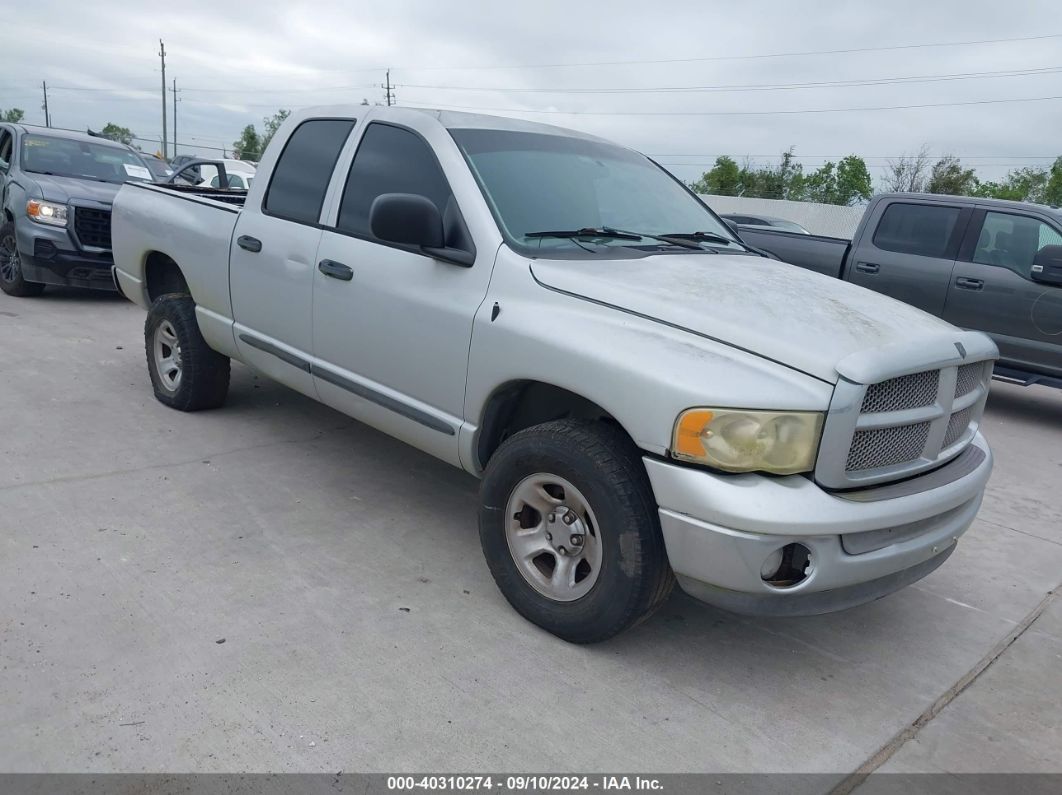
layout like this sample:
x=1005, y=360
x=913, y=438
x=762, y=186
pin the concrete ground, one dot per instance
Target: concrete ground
x=362, y=632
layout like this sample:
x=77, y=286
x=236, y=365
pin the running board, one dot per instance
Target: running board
x=1022, y=378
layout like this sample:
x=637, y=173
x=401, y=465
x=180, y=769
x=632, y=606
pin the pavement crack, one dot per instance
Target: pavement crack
x=1022, y=532
x=909, y=732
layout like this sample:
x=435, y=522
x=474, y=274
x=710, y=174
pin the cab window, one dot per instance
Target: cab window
x=1013, y=241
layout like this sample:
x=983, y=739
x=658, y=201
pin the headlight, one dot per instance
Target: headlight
x=734, y=440
x=46, y=212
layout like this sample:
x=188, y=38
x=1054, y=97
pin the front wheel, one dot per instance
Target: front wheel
x=186, y=373
x=570, y=530
x=11, y=278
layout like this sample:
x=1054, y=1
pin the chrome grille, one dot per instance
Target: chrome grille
x=884, y=447
x=900, y=426
x=957, y=426
x=968, y=379
x=93, y=227
x=906, y=392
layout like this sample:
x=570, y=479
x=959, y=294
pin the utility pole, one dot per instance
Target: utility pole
x=162, y=54
x=390, y=93
x=47, y=116
x=175, y=100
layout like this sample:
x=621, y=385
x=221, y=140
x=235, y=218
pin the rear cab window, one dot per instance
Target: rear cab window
x=926, y=230
x=304, y=169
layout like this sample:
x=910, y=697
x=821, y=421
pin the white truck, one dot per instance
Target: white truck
x=644, y=398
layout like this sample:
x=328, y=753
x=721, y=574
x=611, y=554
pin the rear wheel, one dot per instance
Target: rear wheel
x=186, y=373
x=11, y=279
x=570, y=530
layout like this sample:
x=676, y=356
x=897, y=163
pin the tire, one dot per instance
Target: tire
x=186, y=373
x=11, y=280
x=597, y=475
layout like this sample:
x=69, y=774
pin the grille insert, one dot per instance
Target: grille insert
x=969, y=378
x=93, y=227
x=906, y=392
x=957, y=426
x=883, y=447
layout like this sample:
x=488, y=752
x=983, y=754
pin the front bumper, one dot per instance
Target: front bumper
x=50, y=256
x=719, y=530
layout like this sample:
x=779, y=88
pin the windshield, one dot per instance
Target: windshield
x=67, y=157
x=538, y=183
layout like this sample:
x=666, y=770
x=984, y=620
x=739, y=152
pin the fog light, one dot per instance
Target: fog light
x=44, y=249
x=787, y=566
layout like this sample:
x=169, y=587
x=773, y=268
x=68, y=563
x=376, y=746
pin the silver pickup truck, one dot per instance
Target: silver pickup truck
x=643, y=398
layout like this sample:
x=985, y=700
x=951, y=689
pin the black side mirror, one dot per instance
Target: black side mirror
x=731, y=226
x=407, y=219
x=412, y=220
x=1047, y=265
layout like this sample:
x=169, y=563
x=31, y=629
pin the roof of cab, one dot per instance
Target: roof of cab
x=450, y=119
x=69, y=135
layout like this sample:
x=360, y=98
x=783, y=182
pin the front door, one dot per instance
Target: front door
x=992, y=290
x=392, y=325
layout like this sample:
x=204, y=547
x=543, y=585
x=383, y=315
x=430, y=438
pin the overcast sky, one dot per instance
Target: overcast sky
x=236, y=62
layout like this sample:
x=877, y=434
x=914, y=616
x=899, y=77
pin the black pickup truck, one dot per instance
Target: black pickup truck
x=982, y=264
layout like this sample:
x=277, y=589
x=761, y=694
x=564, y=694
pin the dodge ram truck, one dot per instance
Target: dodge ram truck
x=983, y=264
x=643, y=398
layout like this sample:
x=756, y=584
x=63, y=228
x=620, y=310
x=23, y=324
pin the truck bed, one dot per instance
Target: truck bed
x=814, y=252
x=231, y=196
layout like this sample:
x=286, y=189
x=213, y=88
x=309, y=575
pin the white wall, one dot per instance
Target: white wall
x=819, y=219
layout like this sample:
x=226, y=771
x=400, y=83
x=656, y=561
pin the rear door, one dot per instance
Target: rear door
x=274, y=251
x=911, y=252
x=992, y=289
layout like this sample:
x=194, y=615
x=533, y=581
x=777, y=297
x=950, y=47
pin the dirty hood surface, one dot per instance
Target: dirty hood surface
x=799, y=318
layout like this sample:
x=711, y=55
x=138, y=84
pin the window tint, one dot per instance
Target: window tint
x=301, y=175
x=391, y=160
x=921, y=229
x=5, y=148
x=1012, y=241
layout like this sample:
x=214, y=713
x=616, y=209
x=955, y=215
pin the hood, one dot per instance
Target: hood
x=65, y=189
x=796, y=317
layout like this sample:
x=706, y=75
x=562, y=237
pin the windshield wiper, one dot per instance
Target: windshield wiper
x=587, y=232
x=708, y=237
x=617, y=234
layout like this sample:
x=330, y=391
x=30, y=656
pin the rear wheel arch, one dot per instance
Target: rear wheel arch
x=518, y=405
x=163, y=276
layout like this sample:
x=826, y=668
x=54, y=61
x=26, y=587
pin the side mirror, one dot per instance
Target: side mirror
x=732, y=227
x=1047, y=265
x=406, y=219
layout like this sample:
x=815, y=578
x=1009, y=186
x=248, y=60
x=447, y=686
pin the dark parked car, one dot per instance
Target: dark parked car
x=56, y=189
x=982, y=264
x=744, y=220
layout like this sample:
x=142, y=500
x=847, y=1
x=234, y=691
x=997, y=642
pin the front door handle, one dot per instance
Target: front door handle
x=337, y=270
x=867, y=267
x=248, y=243
x=964, y=283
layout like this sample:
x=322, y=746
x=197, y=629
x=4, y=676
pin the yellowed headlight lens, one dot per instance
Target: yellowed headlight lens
x=735, y=440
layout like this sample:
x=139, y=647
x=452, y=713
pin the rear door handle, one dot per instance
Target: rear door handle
x=248, y=243
x=964, y=283
x=868, y=267
x=337, y=270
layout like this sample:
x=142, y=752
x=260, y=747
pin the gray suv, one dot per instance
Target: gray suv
x=56, y=190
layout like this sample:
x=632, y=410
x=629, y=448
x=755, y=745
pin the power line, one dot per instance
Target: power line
x=1046, y=70
x=743, y=112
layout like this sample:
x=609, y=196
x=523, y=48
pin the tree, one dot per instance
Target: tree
x=908, y=173
x=723, y=180
x=13, y=115
x=948, y=176
x=853, y=181
x=249, y=146
x=1053, y=189
x=271, y=125
x=122, y=135
x=1021, y=185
